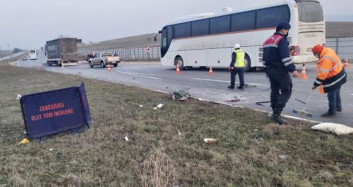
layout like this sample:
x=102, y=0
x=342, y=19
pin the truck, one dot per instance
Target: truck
x=62, y=51
x=103, y=59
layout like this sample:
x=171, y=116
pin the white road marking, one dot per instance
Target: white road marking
x=139, y=75
x=213, y=80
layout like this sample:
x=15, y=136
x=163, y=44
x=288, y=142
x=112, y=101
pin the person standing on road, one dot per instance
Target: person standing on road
x=278, y=63
x=237, y=67
x=331, y=76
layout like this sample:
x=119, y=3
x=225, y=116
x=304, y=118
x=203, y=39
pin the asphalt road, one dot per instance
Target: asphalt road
x=152, y=75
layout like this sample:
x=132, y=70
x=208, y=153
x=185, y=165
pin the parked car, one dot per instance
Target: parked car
x=103, y=59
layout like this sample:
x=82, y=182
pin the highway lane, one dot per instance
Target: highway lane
x=151, y=75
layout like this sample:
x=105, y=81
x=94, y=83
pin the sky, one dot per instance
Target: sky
x=28, y=24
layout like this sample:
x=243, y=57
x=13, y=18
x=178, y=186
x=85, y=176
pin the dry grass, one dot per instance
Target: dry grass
x=250, y=151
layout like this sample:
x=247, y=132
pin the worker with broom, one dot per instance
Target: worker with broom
x=330, y=77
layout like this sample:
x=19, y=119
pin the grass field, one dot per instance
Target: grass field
x=250, y=150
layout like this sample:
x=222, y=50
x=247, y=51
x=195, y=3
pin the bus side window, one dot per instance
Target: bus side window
x=243, y=21
x=220, y=25
x=270, y=17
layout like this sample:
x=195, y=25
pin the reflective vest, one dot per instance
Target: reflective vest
x=330, y=72
x=239, y=61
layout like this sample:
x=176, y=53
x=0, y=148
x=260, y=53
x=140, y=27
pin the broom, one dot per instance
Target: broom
x=303, y=112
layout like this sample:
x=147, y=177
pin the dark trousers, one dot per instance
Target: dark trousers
x=281, y=89
x=233, y=73
x=334, y=100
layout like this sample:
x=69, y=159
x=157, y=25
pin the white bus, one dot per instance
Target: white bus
x=208, y=39
x=32, y=55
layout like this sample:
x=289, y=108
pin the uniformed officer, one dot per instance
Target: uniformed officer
x=237, y=67
x=279, y=64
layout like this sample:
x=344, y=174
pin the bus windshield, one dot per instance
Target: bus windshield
x=310, y=12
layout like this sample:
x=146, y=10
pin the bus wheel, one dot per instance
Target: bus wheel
x=247, y=63
x=179, y=61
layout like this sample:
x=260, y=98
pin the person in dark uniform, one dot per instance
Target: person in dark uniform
x=237, y=67
x=279, y=64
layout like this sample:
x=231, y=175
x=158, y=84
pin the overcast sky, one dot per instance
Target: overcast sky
x=27, y=24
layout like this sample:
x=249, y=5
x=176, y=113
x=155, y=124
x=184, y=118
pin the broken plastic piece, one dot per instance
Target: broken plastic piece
x=179, y=133
x=24, y=141
x=209, y=140
x=18, y=96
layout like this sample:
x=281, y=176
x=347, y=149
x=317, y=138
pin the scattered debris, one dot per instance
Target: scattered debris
x=126, y=138
x=262, y=102
x=18, y=96
x=282, y=156
x=141, y=106
x=233, y=100
x=24, y=141
x=179, y=133
x=51, y=149
x=256, y=130
x=250, y=85
x=158, y=107
x=181, y=95
x=209, y=140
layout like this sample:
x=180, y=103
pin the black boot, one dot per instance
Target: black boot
x=276, y=116
x=231, y=87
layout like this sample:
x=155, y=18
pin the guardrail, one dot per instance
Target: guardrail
x=14, y=57
x=342, y=46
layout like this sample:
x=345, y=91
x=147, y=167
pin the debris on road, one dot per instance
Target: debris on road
x=262, y=102
x=233, y=100
x=181, y=95
x=250, y=86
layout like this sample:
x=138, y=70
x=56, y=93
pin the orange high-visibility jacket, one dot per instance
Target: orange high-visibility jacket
x=330, y=72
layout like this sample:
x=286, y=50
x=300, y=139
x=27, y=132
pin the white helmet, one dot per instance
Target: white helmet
x=236, y=46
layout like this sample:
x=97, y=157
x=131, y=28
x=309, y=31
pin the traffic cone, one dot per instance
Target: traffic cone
x=303, y=74
x=210, y=72
x=109, y=68
x=177, y=71
x=346, y=63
